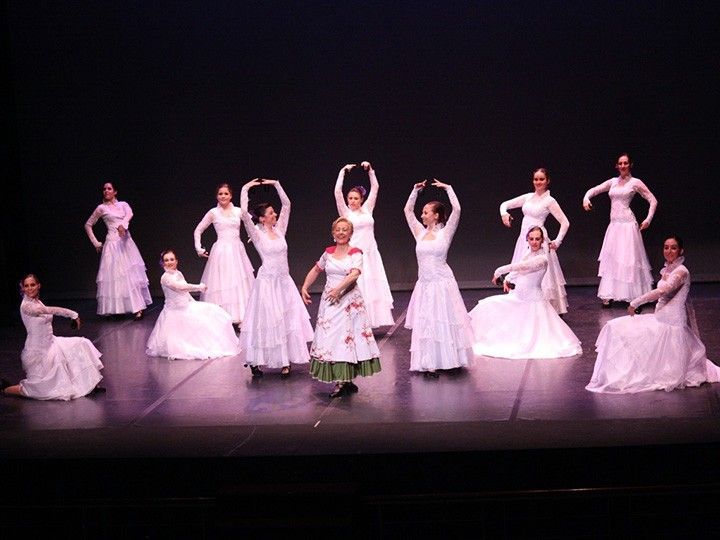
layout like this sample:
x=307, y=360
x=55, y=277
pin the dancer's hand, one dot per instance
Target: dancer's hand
x=203, y=254
x=76, y=323
x=333, y=295
x=631, y=311
x=587, y=205
x=99, y=247
x=122, y=231
x=306, y=296
x=507, y=220
x=438, y=184
x=644, y=225
x=420, y=185
x=506, y=286
x=349, y=167
x=552, y=245
x=366, y=165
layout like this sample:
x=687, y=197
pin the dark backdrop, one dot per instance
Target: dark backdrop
x=169, y=98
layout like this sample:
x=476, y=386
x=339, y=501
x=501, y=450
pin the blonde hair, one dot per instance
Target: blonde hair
x=342, y=220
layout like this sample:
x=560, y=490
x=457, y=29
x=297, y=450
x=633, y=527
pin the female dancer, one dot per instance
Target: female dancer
x=187, y=328
x=344, y=346
x=122, y=284
x=61, y=368
x=441, y=333
x=624, y=267
x=658, y=351
x=277, y=327
x=228, y=273
x=522, y=323
x=535, y=208
x=373, y=282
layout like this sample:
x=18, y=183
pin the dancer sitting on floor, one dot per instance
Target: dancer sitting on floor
x=187, y=328
x=523, y=323
x=62, y=368
x=344, y=346
x=658, y=351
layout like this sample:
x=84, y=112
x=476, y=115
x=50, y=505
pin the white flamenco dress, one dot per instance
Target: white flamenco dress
x=522, y=324
x=62, y=368
x=535, y=209
x=188, y=329
x=624, y=267
x=276, y=327
x=122, y=284
x=228, y=273
x=658, y=351
x=344, y=346
x=441, y=333
x=373, y=282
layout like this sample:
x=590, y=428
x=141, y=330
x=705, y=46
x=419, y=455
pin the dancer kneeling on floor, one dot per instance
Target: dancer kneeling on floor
x=61, y=368
x=344, y=346
x=523, y=323
x=658, y=351
x=187, y=328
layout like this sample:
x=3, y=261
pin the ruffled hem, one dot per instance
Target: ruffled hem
x=228, y=275
x=343, y=371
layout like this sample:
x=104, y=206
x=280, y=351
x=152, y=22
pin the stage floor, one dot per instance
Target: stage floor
x=155, y=407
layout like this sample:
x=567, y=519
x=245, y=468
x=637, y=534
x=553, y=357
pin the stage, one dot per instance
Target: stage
x=197, y=436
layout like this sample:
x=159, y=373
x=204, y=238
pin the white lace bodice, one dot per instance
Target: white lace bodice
x=37, y=318
x=671, y=294
x=227, y=227
x=177, y=290
x=527, y=276
x=336, y=270
x=621, y=193
x=432, y=254
x=113, y=214
x=535, y=209
x=362, y=219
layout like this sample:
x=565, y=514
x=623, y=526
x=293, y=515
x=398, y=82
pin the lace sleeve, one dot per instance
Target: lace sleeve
x=128, y=215
x=454, y=219
x=562, y=219
x=600, y=188
x=178, y=283
x=667, y=285
x=92, y=220
x=204, y=224
x=531, y=264
x=339, y=198
x=284, y=219
x=246, y=217
x=37, y=309
x=646, y=194
x=517, y=202
x=416, y=228
x=372, y=196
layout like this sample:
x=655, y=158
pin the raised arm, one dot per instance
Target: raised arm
x=564, y=222
x=339, y=197
x=646, y=194
x=666, y=286
x=37, y=309
x=416, y=228
x=454, y=219
x=590, y=193
x=517, y=202
x=204, y=224
x=284, y=219
x=531, y=264
x=92, y=220
x=245, y=214
x=369, y=204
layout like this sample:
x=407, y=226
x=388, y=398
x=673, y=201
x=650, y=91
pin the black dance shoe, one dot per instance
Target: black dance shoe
x=340, y=390
x=351, y=387
x=638, y=310
x=431, y=374
x=256, y=372
x=607, y=304
x=139, y=315
x=97, y=390
x=285, y=372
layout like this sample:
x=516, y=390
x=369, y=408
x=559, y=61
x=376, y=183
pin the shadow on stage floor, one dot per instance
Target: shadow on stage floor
x=504, y=448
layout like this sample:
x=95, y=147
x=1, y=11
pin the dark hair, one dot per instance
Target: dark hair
x=165, y=252
x=259, y=211
x=112, y=183
x=223, y=185
x=626, y=155
x=535, y=228
x=544, y=171
x=679, y=241
x=360, y=190
x=439, y=209
x=22, y=281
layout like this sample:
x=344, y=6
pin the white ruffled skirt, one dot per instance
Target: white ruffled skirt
x=122, y=284
x=624, y=267
x=375, y=289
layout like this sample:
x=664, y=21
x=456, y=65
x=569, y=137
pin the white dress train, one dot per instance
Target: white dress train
x=657, y=351
x=228, y=272
x=535, y=209
x=62, y=368
x=441, y=333
x=522, y=324
x=373, y=282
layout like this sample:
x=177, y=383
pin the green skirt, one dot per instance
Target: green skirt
x=343, y=371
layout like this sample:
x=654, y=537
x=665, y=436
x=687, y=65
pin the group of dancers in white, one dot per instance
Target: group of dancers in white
x=634, y=353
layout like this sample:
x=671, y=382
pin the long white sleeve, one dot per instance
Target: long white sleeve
x=562, y=219
x=646, y=194
x=35, y=308
x=668, y=285
x=600, y=188
x=246, y=217
x=128, y=214
x=178, y=283
x=454, y=220
x=92, y=220
x=530, y=264
x=284, y=219
x=517, y=202
x=416, y=228
x=204, y=224
x=339, y=198
x=369, y=204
